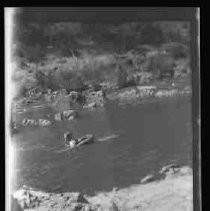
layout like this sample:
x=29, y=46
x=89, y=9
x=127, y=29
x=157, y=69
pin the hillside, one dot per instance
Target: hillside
x=75, y=55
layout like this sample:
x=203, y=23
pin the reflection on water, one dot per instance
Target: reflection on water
x=132, y=141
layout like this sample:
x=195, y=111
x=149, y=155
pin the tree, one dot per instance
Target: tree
x=160, y=65
x=31, y=41
x=151, y=34
x=126, y=33
x=175, y=31
x=122, y=77
x=64, y=35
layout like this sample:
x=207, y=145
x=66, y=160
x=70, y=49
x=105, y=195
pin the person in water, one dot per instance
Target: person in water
x=69, y=140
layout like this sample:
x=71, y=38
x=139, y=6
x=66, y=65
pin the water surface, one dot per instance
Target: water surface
x=149, y=136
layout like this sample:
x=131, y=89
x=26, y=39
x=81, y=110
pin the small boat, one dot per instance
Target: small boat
x=87, y=139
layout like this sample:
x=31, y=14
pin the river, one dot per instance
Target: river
x=145, y=137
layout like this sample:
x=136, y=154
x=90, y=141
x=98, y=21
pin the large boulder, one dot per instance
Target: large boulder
x=15, y=206
x=66, y=115
x=128, y=94
x=142, y=77
x=81, y=198
x=44, y=122
x=69, y=114
x=185, y=170
x=31, y=199
x=145, y=91
x=166, y=93
x=148, y=178
x=29, y=122
x=97, y=97
x=25, y=122
x=170, y=169
x=73, y=95
x=26, y=199
x=90, y=105
x=71, y=118
x=33, y=122
x=83, y=207
x=61, y=101
x=58, y=117
x=114, y=207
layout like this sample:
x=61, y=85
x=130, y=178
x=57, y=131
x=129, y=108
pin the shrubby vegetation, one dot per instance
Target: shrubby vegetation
x=73, y=56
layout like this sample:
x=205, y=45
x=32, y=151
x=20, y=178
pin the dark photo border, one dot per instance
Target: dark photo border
x=121, y=14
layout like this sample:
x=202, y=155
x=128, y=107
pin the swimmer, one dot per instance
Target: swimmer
x=69, y=140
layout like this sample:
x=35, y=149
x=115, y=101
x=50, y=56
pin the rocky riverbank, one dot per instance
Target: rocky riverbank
x=170, y=189
x=67, y=108
x=147, y=93
x=63, y=101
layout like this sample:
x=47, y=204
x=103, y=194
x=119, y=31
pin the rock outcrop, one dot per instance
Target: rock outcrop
x=15, y=206
x=142, y=93
x=95, y=99
x=173, y=192
x=29, y=122
x=33, y=122
x=44, y=122
x=58, y=117
x=135, y=93
x=69, y=114
x=66, y=115
x=90, y=105
x=37, y=200
x=170, y=169
x=148, y=178
x=166, y=172
x=166, y=93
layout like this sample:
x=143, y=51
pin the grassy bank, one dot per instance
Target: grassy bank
x=83, y=56
x=98, y=70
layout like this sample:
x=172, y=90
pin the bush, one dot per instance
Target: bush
x=142, y=78
x=95, y=85
x=151, y=34
x=21, y=91
x=177, y=50
x=65, y=101
x=122, y=78
x=47, y=80
x=41, y=79
x=54, y=80
x=23, y=82
x=62, y=102
x=160, y=64
x=75, y=84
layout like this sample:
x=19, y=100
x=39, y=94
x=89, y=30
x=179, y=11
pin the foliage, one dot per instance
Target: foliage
x=177, y=50
x=76, y=84
x=151, y=34
x=160, y=64
x=87, y=52
x=175, y=31
x=120, y=37
x=62, y=102
x=122, y=77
